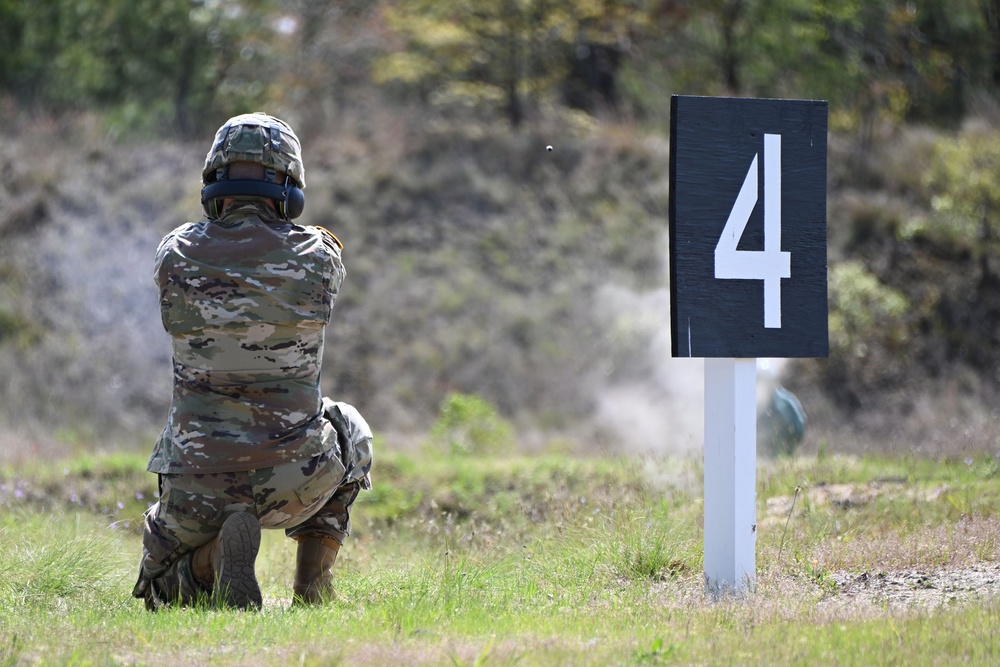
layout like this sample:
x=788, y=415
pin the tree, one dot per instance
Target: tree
x=884, y=60
x=321, y=60
x=512, y=54
x=160, y=63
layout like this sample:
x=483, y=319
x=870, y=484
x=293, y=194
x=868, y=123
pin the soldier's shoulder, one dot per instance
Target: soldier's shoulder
x=185, y=229
x=171, y=240
x=329, y=238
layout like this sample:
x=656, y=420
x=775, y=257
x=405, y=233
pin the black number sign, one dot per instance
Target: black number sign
x=748, y=227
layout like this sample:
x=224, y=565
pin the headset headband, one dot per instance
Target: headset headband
x=289, y=198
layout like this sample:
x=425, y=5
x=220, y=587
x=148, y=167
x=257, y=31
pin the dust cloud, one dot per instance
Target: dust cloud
x=659, y=408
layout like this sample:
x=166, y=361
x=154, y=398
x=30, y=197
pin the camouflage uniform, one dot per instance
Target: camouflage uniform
x=246, y=299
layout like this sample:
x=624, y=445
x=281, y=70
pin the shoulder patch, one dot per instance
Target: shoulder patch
x=331, y=235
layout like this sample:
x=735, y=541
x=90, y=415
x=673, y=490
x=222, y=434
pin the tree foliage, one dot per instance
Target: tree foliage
x=515, y=54
x=161, y=64
x=172, y=62
x=889, y=60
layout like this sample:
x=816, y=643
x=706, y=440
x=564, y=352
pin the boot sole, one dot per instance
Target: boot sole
x=235, y=580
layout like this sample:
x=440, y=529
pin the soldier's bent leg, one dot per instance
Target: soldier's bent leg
x=190, y=513
x=225, y=565
x=314, y=558
x=319, y=538
x=175, y=585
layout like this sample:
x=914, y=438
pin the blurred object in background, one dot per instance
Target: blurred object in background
x=781, y=421
x=781, y=424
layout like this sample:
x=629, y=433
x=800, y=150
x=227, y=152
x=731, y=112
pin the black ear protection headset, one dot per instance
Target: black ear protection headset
x=289, y=199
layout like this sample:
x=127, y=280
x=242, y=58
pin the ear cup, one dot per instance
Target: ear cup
x=213, y=207
x=294, y=204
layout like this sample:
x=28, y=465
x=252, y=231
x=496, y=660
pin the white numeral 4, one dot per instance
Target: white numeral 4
x=769, y=264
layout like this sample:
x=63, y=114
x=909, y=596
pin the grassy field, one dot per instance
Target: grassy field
x=546, y=560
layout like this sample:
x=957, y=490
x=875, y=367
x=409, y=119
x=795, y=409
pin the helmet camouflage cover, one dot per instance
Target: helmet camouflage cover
x=258, y=138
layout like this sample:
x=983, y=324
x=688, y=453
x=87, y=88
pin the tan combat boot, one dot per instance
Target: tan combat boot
x=313, y=560
x=226, y=564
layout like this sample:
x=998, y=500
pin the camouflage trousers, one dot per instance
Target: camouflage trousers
x=301, y=498
x=310, y=498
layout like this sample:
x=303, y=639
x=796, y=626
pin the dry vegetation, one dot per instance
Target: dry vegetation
x=482, y=264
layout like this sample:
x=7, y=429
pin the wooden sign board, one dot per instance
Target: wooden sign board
x=748, y=257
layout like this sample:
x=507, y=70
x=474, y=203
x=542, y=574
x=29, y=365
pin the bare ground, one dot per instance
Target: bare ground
x=879, y=571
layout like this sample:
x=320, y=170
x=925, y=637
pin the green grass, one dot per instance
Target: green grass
x=528, y=561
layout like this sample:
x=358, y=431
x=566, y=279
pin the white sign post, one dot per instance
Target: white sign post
x=747, y=280
x=730, y=475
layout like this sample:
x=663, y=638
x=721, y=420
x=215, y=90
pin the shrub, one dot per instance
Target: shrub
x=469, y=426
x=869, y=326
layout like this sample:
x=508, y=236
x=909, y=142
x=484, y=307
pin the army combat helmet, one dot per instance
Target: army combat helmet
x=260, y=139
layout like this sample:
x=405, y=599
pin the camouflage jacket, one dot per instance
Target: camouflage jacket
x=246, y=300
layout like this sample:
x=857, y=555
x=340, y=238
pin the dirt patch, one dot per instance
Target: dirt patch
x=844, y=496
x=917, y=588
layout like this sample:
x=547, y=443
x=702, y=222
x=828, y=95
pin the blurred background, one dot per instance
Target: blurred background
x=492, y=284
